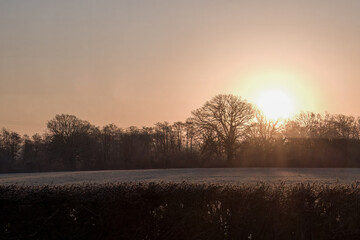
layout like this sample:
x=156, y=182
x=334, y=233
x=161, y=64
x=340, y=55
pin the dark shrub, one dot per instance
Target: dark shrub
x=180, y=211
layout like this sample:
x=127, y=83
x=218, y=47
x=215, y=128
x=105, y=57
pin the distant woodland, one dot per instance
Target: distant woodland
x=226, y=131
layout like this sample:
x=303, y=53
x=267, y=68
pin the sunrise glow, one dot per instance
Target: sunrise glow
x=275, y=104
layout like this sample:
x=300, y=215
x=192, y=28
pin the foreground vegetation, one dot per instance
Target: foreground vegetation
x=226, y=131
x=180, y=211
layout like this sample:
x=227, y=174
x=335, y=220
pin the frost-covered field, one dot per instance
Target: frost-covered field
x=194, y=175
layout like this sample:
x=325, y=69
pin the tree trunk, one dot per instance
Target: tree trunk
x=230, y=156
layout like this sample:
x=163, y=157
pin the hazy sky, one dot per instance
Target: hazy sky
x=138, y=62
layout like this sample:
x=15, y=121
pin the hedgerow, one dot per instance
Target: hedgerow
x=180, y=211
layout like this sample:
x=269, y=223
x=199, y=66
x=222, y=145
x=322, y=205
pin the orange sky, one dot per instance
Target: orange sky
x=140, y=62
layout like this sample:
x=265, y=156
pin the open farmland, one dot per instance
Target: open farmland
x=194, y=175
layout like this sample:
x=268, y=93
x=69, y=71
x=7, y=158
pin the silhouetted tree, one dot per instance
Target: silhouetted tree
x=72, y=141
x=162, y=140
x=226, y=126
x=111, y=147
x=10, y=145
x=34, y=156
x=137, y=147
x=228, y=117
x=342, y=126
x=263, y=130
x=190, y=135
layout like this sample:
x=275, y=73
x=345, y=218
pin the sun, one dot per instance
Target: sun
x=275, y=104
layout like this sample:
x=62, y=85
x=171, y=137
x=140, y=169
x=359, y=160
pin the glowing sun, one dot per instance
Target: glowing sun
x=275, y=104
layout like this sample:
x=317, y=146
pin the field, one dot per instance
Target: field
x=193, y=175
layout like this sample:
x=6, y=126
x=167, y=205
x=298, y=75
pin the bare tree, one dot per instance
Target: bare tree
x=263, y=130
x=228, y=116
x=111, y=140
x=72, y=140
x=10, y=145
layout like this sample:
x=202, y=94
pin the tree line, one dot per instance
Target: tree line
x=226, y=131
